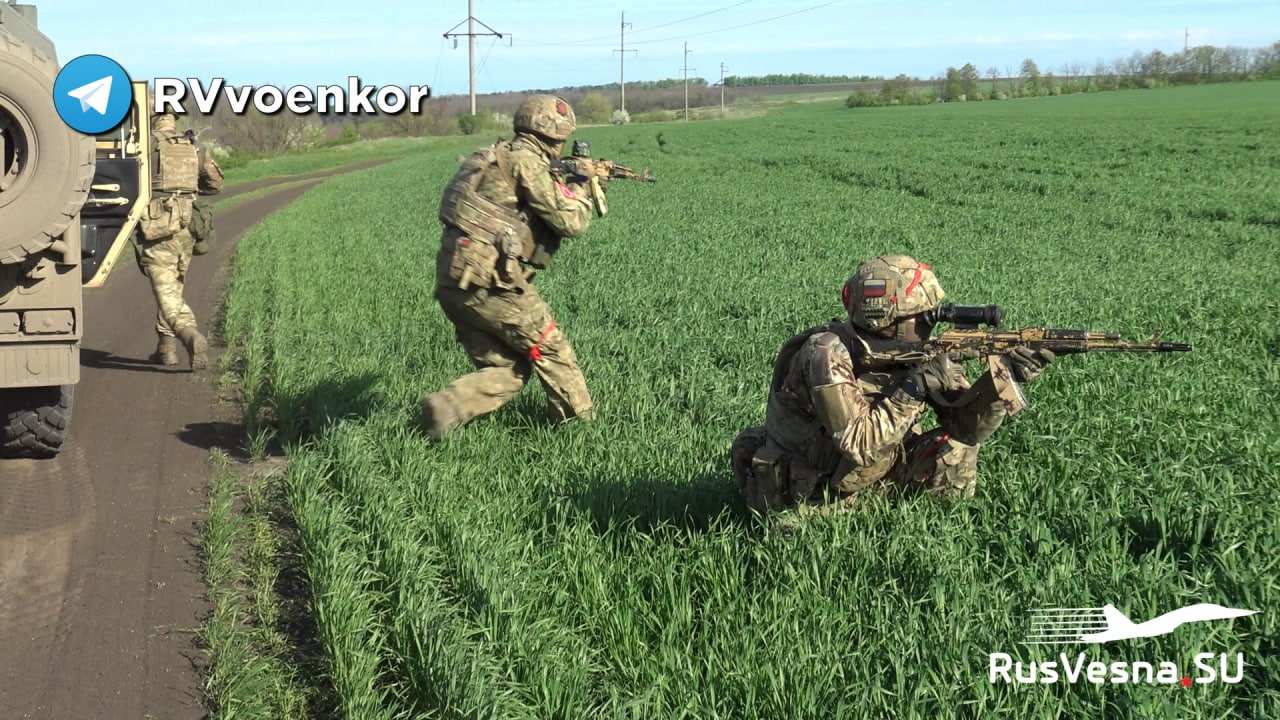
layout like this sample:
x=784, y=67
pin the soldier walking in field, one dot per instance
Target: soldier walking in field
x=504, y=216
x=180, y=171
x=837, y=426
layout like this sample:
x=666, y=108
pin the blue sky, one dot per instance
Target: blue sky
x=309, y=42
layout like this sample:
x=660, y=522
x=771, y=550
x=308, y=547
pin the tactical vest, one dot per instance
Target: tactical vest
x=483, y=220
x=175, y=165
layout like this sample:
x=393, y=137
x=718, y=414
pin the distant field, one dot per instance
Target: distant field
x=610, y=570
x=324, y=158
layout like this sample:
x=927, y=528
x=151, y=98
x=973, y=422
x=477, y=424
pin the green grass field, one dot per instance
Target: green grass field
x=610, y=569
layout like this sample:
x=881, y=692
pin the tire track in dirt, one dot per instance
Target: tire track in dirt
x=100, y=590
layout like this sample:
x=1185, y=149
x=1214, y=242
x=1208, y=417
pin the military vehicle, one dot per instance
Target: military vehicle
x=68, y=207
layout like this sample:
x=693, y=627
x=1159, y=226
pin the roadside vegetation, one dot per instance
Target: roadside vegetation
x=255, y=663
x=610, y=569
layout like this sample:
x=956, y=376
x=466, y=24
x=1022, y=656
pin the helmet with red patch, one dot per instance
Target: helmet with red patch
x=546, y=115
x=889, y=289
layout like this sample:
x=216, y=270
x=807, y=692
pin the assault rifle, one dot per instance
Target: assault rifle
x=967, y=342
x=581, y=167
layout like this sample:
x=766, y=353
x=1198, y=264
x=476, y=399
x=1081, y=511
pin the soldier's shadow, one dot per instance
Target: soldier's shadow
x=301, y=413
x=102, y=360
x=310, y=409
x=652, y=503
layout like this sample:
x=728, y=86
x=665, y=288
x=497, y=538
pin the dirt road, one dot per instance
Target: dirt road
x=99, y=585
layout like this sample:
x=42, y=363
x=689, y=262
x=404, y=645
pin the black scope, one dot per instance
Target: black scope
x=966, y=316
x=581, y=149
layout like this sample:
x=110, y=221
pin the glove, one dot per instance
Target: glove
x=1027, y=364
x=926, y=378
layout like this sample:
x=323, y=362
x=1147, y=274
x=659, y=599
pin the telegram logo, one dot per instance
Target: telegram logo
x=92, y=94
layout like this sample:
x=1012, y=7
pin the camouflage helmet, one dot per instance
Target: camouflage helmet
x=889, y=289
x=164, y=122
x=546, y=115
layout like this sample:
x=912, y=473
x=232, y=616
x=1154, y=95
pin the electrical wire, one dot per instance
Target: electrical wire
x=485, y=59
x=744, y=25
x=694, y=17
x=439, y=57
x=588, y=41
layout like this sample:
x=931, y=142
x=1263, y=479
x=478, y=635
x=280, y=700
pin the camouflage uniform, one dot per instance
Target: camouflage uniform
x=504, y=216
x=165, y=247
x=835, y=428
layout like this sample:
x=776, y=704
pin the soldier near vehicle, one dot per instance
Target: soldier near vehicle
x=171, y=231
x=846, y=399
x=505, y=214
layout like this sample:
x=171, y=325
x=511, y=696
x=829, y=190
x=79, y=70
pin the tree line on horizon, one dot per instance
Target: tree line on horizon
x=1202, y=64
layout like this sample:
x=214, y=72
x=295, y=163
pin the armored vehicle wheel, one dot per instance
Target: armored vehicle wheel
x=45, y=167
x=34, y=422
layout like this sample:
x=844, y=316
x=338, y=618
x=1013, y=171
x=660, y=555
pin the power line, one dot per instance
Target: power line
x=471, y=36
x=591, y=40
x=686, y=70
x=743, y=25
x=622, y=62
x=439, y=57
x=695, y=17
x=722, y=71
x=487, y=52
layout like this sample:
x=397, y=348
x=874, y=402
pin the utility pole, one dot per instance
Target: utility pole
x=722, y=69
x=622, y=62
x=1186, y=39
x=686, y=70
x=471, y=36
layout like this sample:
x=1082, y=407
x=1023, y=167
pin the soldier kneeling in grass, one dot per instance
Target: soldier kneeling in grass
x=839, y=424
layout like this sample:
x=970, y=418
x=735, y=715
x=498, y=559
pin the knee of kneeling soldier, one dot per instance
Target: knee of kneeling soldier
x=955, y=471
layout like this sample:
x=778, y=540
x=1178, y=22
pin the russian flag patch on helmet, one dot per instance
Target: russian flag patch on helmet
x=874, y=288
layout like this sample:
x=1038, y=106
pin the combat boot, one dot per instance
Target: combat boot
x=166, y=351
x=197, y=347
x=438, y=416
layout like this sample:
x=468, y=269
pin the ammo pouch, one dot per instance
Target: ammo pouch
x=777, y=480
x=497, y=240
x=474, y=263
x=765, y=488
x=202, y=222
x=166, y=216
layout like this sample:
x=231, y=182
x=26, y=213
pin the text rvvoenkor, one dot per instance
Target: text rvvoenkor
x=172, y=95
